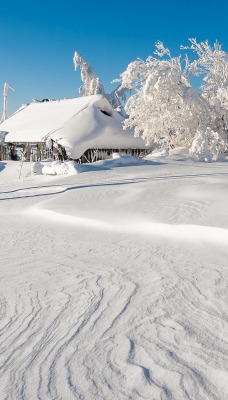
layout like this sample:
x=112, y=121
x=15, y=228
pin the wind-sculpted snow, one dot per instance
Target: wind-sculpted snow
x=193, y=233
x=116, y=288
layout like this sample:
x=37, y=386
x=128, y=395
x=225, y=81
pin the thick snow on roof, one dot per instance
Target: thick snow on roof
x=78, y=124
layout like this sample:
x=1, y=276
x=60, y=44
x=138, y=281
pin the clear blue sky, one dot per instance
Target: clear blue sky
x=38, y=39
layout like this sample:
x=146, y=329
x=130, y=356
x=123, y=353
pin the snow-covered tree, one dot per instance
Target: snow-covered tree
x=164, y=106
x=117, y=96
x=212, y=65
x=91, y=83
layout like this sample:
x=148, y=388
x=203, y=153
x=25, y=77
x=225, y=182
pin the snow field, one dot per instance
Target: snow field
x=114, y=283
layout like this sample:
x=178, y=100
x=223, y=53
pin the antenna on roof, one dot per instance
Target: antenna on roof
x=5, y=94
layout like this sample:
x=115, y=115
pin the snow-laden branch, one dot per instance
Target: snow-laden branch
x=91, y=83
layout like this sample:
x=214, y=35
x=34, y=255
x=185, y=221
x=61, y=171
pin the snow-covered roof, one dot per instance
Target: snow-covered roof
x=78, y=124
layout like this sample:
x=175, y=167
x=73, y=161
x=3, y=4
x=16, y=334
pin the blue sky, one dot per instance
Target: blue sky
x=38, y=39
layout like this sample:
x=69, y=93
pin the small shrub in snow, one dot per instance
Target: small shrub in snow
x=122, y=161
x=73, y=167
x=206, y=145
x=164, y=152
x=59, y=167
x=36, y=168
x=115, y=155
x=48, y=170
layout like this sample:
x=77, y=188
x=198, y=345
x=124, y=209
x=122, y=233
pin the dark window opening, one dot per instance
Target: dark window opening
x=106, y=113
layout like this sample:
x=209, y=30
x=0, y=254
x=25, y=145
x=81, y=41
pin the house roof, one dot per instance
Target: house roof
x=78, y=124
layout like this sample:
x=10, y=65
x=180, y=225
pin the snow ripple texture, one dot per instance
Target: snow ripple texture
x=91, y=313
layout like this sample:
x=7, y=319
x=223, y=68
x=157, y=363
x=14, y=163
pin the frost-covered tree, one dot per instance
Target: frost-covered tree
x=117, y=96
x=91, y=83
x=164, y=106
x=212, y=64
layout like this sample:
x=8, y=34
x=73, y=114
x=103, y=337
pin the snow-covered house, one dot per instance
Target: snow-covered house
x=85, y=129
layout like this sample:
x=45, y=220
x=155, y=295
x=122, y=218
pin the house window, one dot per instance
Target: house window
x=106, y=113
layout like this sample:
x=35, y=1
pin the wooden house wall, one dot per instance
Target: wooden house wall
x=92, y=155
x=39, y=151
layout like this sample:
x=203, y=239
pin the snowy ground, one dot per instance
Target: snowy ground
x=114, y=283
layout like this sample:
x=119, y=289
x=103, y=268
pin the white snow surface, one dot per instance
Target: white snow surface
x=114, y=281
x=77, y=124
